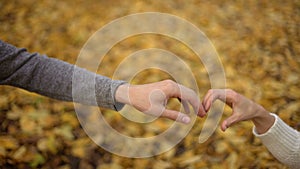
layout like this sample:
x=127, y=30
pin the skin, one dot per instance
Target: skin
x=152, y=99
x=243, y=109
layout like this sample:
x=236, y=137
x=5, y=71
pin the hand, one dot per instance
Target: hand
x=152, y=99
x=242, y=109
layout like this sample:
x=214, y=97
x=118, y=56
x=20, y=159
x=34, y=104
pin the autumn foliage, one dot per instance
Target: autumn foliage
x=258, y=43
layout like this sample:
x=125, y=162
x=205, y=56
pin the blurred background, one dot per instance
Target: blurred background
x=258, y=43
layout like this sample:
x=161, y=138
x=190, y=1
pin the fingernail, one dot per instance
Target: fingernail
x=186, y=120
x=202, y=114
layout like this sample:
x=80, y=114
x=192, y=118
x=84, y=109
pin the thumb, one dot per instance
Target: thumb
x=228, y=122
x=176, y=116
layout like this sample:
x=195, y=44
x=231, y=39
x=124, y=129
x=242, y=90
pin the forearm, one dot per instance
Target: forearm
x=54, y=78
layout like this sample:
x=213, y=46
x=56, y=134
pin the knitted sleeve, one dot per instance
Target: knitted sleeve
x=54, y=78
x=283, y=142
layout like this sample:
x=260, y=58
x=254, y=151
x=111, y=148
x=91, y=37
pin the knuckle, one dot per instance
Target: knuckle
x=169, y=85
x=231, y=92
x=210, y=91
x=169, y=82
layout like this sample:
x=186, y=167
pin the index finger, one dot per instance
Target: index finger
x=227, y=96
x=190, y=96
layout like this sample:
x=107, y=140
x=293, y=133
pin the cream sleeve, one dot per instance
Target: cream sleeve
x=283, y=142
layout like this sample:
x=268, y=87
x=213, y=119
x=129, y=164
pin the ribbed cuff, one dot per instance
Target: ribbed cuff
x=114, y=86
x=282, y=141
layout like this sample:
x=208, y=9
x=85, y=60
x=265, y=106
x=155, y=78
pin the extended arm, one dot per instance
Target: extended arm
x=280, y=139
x=60, y=80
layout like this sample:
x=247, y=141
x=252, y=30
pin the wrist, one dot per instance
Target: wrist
x=122, y=94
x=263, y=121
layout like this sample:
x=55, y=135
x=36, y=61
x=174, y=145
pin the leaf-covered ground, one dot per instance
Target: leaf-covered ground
x=258, y=43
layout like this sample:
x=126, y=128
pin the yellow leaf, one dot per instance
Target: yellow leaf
x=8, y=142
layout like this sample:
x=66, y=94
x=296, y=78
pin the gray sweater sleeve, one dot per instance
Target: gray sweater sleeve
x=56, y=79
